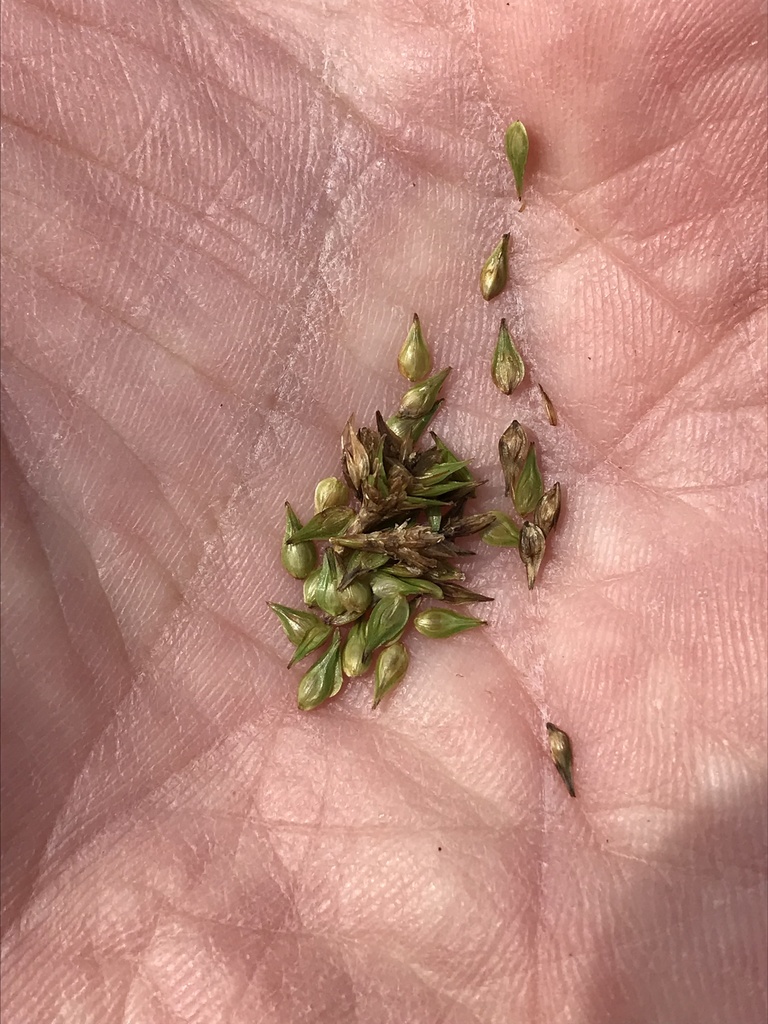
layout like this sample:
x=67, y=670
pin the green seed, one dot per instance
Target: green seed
x=421, y=397
x=507, y=367
x=353, y=660
x=493, y=276
x=547, y=511
x=295, y=622
x=314, y=637
x=330, y=493
x=448, y=456
x=359, y=563
x=414, y=361
x=513, y=447
x=438, y=623
x=357, y=597
x=562, y=754
x=516, y=145
x=384, y=584
x=327, y=595
x=532, y=545
x=311, y=584
x=297, y=559
x=529, y=488
x=391, y=666
x=324, y=679
x=387, y=621
x=504, y=533
x=332, y=522
x=407, y=429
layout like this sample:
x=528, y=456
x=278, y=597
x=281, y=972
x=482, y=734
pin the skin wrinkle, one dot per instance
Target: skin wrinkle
x=158, y=489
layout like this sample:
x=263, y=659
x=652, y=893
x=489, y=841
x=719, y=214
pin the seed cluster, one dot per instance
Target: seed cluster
x=389, y=533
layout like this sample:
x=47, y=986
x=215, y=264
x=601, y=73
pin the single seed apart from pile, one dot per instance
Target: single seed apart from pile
x=548, y=406
x=516, y=146
x=507, y=366
x=493, y=276
x=414, y=361
x=562, y=755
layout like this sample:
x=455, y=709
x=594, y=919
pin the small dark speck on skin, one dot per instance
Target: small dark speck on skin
x=439, y=849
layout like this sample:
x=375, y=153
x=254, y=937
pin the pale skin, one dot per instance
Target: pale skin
x=217, y=225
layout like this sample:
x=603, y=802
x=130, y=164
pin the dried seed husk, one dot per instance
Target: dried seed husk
x=562, y=754
x=421, y=397
x=493, y=276
x=513, y=448
x=353, y=662
x=548, y=406
x=438, y=623
x=294, y=621
x=333, y=522
x=454, y=593
x=467, y=525
x=354, y=456
x=404, y=571
x=323, y=679
x=297, y=559
x=532, y=545
x=330, y=493
x=414, y=360
x=516, y=146
x=507, y=366
x=314, y=637
x=547, y=511
x=384, y=584
x=504, y=533
x=529, y=487
x=391, y=666
x=387, y=620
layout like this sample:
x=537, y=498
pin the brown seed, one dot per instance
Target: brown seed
x=513, y=448
x=562, y=754
x=532, y=544
x=493, y=276
x=547, y=511
x=550, y=409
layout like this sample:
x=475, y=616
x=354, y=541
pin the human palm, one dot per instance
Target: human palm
x=217, y=224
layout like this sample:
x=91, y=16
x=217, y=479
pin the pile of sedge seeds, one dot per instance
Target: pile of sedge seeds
x=386, y=536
